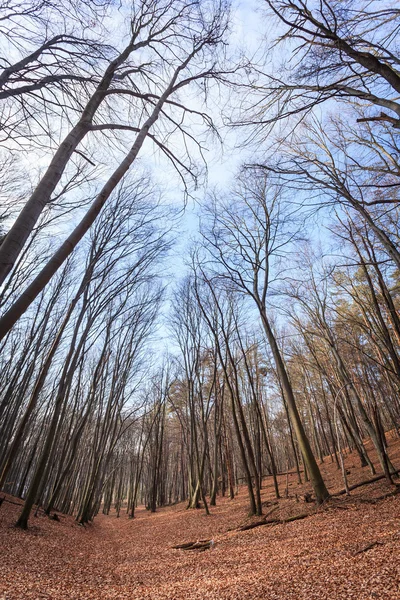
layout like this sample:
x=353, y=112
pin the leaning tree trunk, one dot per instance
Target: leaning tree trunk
x=320, y=490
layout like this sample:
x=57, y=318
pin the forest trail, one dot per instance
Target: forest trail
x=321, y=557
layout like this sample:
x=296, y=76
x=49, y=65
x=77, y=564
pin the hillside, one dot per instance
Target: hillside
x=346, y=549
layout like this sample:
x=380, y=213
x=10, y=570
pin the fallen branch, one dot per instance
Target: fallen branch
x=368, y=547
x=267, y=503
x=382, y=497
x=10, y=502
x=274, y=521
x=258, y=523
x=366, y=482
x=54, y=516
x=289, y=519
x=199, y=545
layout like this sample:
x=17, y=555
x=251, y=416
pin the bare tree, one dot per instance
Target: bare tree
x=247, y=237
x=182, y=40
x=332, y=50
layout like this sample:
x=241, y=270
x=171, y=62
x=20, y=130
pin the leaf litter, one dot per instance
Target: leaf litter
x=347, y=549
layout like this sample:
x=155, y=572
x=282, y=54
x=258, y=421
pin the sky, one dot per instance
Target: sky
x=223, y=160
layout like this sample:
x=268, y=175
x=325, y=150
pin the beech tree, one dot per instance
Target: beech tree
x=345, y=51
x=246, y=239
x=118, y=280
x=170, y=46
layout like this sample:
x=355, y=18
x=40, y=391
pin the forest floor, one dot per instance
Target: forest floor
x=347, y=549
